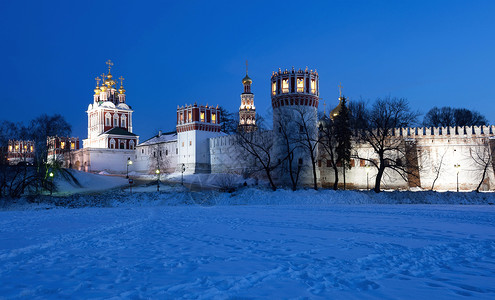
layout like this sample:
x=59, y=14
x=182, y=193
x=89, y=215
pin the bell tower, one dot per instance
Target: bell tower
x=247, y=110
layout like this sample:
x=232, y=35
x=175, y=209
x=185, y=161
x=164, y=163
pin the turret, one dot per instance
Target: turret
x=247, y=110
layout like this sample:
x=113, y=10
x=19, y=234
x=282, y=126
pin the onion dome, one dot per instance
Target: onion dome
x=97, y=91
x=121, y=90
x=247, y=80
x=109, y=81
x=335, y=112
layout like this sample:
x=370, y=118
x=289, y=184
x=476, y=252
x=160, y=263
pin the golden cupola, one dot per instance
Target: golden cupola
x=121, y=89
x=97, y=88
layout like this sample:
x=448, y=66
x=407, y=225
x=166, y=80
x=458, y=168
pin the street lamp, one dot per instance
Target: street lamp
x=457, y=166
x=158, y=182
x=51, y=179
x=183, y=169
x=129, y=163
x=367, y=177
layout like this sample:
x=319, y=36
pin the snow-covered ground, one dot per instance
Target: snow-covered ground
x=252, y=244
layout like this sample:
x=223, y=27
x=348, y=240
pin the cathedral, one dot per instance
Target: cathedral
x=444, y=158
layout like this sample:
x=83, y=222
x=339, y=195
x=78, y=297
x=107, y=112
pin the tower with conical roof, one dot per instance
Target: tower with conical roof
x=247, y=110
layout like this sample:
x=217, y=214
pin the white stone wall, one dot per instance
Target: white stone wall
x=113, y=161
x=194, y=150
x=148, y=157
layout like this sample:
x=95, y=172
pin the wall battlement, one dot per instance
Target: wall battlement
x=456, y=131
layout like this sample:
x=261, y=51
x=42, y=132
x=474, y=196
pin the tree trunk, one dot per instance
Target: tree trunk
x=336, y=182
x=379, y=178
x=482, y=179
x=272, y=185
x=343, y=172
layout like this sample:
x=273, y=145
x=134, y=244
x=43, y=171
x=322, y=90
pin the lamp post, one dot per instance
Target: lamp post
x=129, y=163
x=457, y=166
x=183, y=169
x=51, y=186
x=367, y=177
x=158, y=182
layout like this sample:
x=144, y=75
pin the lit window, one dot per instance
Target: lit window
x=190, y=143
x=190, y=117
x=285, y=85
x=31, y=148
x=213, y=118
x=73, y=145
x=10, y=148
x=313, y=86
x=202, y=116
x=62, y=145
x=16, y=147
x=182, y=144
x=181, y=117
x=274, y=88
x=300, y=85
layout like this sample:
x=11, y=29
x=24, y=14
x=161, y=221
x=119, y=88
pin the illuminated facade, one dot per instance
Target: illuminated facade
x=247, y=110
x=109, y=117
x=18, y=152
x=60, y=147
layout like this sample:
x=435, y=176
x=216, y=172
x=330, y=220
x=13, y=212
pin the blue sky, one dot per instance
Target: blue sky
x=434, y=53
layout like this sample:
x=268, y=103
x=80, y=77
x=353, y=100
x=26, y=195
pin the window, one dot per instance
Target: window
x=182, y=144
x=329, y=163
x=112, y=144
x=160, y=153
x=214, y=118
x=181, y=117
x=274, y=88
x=131, y=144
x=108, y=119
x=62, y=145
x=166, y=152
x=115, y=120
x=300, y=85
x=319, y=163
x=313, y=86
x=176, y=150
x=202, y=116
x=123, y=121
x=122, y=144
x=285, y=86
x=142, y=151
x=31, y=148
x=72, y=145
x=190, y=143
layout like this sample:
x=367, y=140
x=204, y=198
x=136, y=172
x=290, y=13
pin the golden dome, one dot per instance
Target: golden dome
x=97, y=91
x=247, y=80
x=109, y=81
x=335, y=112
x=121, y=90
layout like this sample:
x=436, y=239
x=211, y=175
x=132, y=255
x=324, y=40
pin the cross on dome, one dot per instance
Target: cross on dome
x=110, y=64
x=340, y=89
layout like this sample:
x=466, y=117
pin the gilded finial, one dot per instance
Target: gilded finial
x=121, y=79
x=340, y=89
x=110, y=64
x=246, y=67
x=97, y=81
x=324, y=108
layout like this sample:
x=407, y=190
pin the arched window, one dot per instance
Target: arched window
x=115, y=120
x=123, y=121
x=108, y=119
x=112, y=144
x=131, y=144
x=122, y=144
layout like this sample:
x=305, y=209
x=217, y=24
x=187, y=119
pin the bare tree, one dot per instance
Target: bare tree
x=307, y=136
x=482, y=158
x=386, y=115
x=290, y=146
x=437, y=168
x=449, y=117
x=328, y=142
x=259, y=145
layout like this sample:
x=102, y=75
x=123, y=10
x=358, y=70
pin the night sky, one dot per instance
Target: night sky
x=434, y=53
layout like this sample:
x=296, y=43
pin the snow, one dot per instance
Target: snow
x=253, y=243
x=88, y=182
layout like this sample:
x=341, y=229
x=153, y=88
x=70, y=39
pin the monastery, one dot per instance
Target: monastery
x=444, y=158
